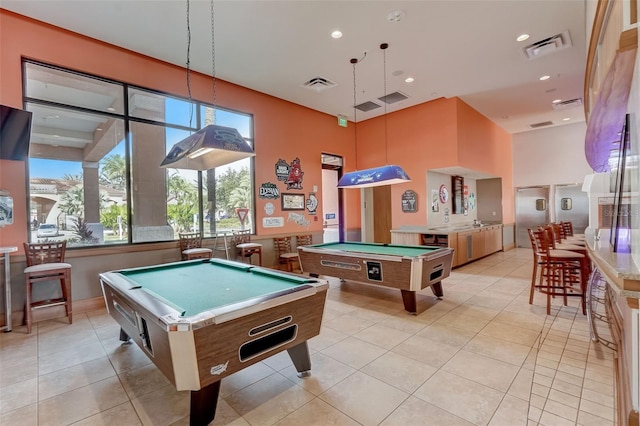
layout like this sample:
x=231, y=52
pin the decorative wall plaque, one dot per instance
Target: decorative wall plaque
x=409, y=201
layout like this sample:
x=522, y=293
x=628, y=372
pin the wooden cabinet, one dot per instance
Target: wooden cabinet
x=493, y=239
x=478, y=243
x=467, y=245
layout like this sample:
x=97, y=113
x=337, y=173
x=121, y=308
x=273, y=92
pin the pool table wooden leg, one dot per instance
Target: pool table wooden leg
x=124, y=336
x=409, y=300
x=300, y=356
x=203, y=404
x=437, y=289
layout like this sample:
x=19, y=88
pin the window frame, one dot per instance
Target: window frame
x=127, y=117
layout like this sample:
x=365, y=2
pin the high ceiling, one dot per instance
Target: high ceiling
x=451, y=48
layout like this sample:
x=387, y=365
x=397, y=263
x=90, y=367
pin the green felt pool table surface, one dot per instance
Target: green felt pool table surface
x=193, y=287
x=373, y=248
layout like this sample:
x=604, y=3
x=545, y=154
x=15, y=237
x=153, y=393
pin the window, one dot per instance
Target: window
x=94, y=163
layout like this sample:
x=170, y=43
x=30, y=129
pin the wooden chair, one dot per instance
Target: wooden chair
x=304, y=240
x=563, y=272
x=191, y=246
x=244, y=247
x=559, y=236
x=284, y=253
x=45, y=262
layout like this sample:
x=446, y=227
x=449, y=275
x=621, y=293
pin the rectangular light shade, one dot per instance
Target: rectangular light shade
x=209, y=147
x=379, y=176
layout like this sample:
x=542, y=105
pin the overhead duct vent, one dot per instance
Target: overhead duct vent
x=367, y=106
x=567, y=104
x=548, y=45
x=394, y=97
x=319, y=84
x=541, y=124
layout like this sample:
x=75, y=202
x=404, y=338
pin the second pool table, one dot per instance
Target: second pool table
x=407, y=268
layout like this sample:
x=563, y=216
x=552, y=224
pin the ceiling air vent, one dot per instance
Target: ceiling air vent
x=394, y=97
x=367, y=106
x=319, y=84
x=541, y=124
x=548, y=45
x=568, y=104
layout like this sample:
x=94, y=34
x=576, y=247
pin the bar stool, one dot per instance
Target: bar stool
x=45, y=262
x=191, y=246
x=245, y=248
x=562, y=271
x=284, y=253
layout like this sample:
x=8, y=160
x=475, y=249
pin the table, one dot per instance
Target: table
x=408, y=268
x=202, y=320
x=7, y=286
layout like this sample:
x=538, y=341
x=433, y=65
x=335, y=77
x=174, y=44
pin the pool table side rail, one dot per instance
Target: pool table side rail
x=378, y=249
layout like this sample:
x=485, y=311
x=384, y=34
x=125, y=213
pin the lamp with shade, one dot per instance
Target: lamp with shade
x=213, y=145
x=377, y=176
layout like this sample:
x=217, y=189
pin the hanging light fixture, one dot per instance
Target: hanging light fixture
x=213, y=145
x=378, y=176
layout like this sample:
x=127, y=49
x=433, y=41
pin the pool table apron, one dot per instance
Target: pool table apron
x=192, y=357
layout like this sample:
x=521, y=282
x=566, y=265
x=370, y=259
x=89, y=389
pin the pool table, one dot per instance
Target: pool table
x=408, y=268
x=202, y=320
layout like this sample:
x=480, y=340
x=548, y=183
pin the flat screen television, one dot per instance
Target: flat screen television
x=15, y=133
x=623, y=209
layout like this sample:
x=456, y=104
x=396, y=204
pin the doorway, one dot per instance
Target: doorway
x=532, y=210
x=332, y=210
x=572, y=205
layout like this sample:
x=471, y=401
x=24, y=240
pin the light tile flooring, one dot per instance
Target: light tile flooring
x=482, y=356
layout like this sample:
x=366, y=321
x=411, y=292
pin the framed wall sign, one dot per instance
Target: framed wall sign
x=292, y=201
x=409, y=201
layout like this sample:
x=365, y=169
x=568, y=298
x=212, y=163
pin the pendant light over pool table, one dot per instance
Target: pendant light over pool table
x=377, y=176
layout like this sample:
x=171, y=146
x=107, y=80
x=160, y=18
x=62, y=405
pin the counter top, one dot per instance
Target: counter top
x=443, y=230
x=620, y=268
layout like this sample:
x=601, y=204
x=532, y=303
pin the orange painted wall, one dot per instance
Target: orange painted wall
x=436, y=134
x=440, y=133
x=12, y=180
x=281, y=129
x=484, y=146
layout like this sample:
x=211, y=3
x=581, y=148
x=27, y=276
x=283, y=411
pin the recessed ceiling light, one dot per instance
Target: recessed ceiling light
x=111, y=109
x=556, y=101
x=98, y=129
x=336, y=34
x=56, y=136
x=566, y=119
x=522, y=37
x=544, y=77
x=408, y=80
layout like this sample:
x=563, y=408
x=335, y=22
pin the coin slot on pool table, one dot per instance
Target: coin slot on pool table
x=266, y=343
x=273, y=324
x=144, y=335
x=437, y=273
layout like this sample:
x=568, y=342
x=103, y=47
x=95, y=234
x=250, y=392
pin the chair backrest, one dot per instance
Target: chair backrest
x=567, y=227
x=189, y=240
x=304, y=240
x=242, y=237
x=51, y=252
x=543, y=241
x=282, y=245
x=553, y=234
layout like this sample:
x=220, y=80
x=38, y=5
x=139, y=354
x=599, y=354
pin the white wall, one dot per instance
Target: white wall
x=550, y=156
